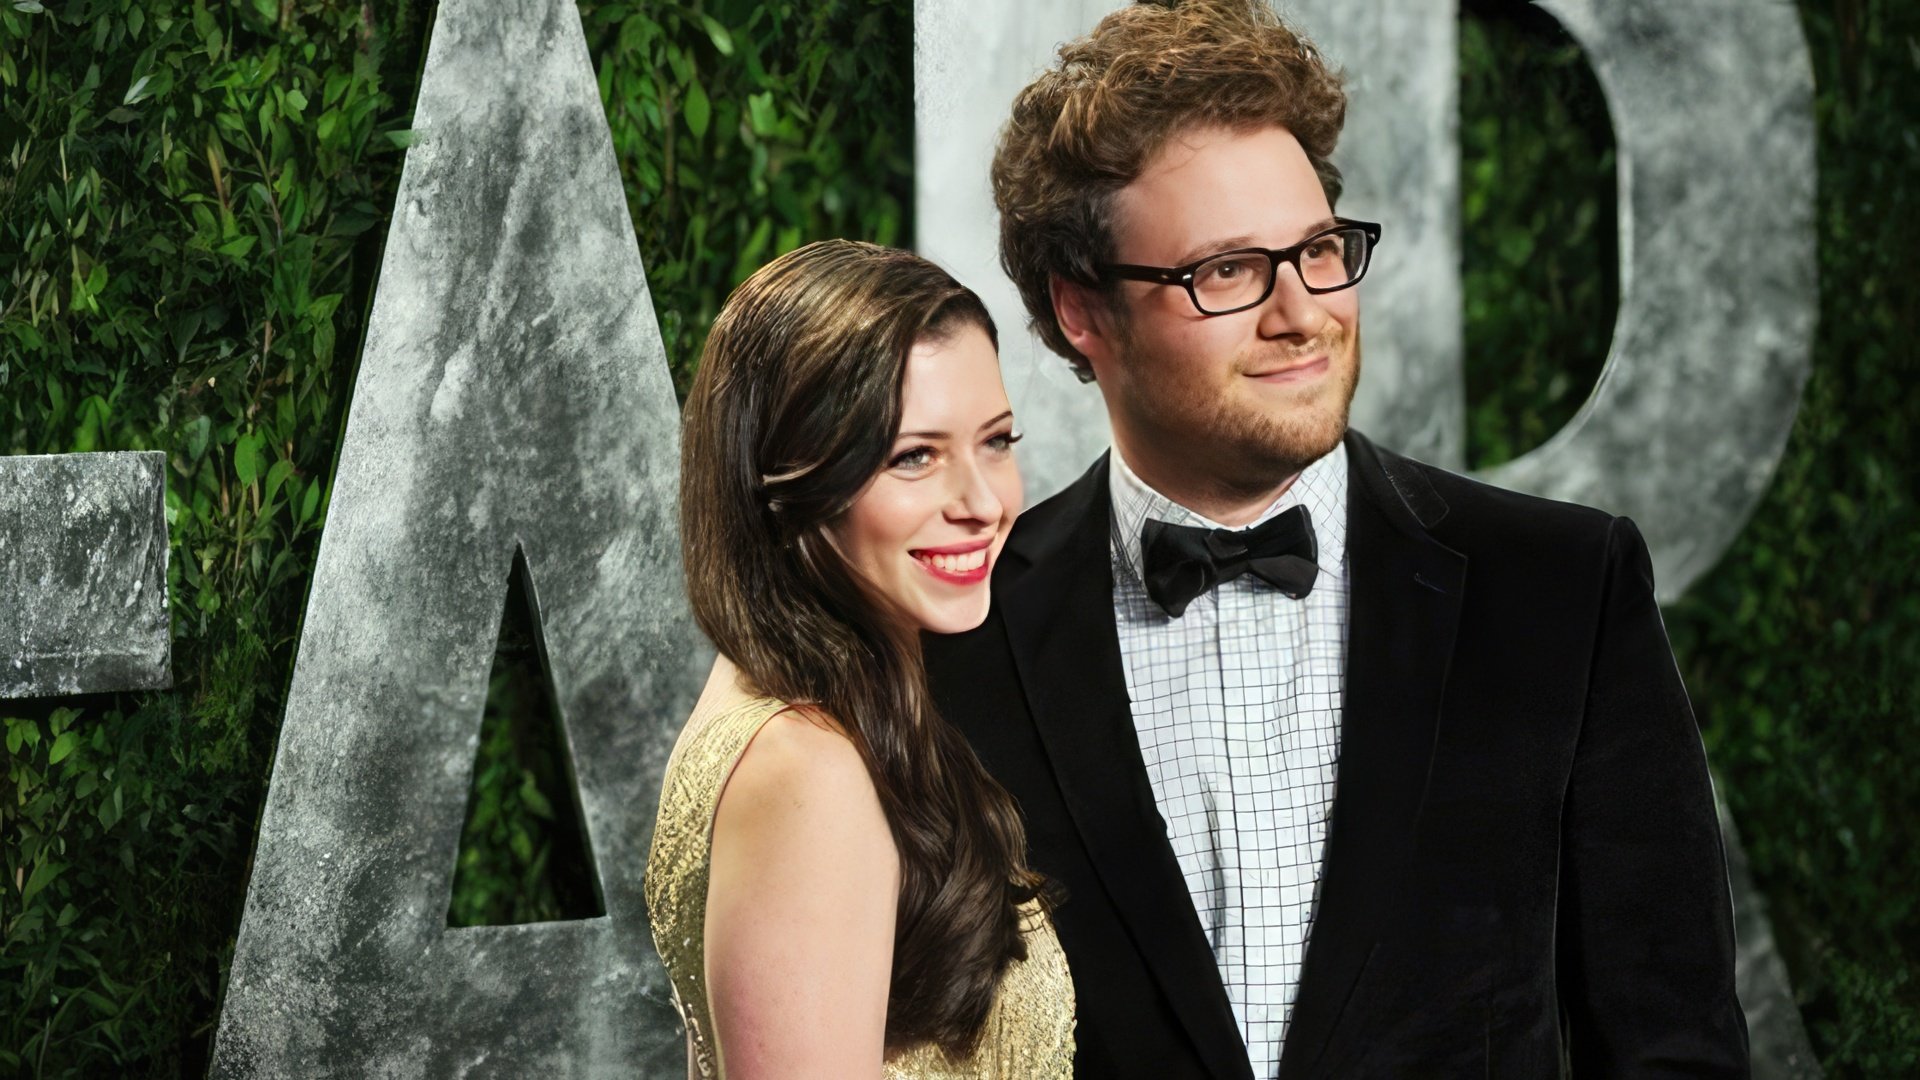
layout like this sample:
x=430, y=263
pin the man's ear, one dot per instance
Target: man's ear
x=1083, y=317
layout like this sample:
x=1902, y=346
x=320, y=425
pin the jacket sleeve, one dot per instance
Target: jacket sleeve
x=1645, y=923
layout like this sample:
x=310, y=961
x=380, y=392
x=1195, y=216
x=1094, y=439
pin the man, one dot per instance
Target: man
x=1349, y=766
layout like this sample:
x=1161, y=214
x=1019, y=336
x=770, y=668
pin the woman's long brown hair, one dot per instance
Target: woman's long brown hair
x=793, y=410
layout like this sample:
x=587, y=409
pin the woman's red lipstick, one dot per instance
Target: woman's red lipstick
x=957, y=563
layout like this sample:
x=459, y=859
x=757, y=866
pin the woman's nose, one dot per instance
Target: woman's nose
x=973, y=496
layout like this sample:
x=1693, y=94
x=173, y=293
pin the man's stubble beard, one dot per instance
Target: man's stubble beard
x=1231, y=443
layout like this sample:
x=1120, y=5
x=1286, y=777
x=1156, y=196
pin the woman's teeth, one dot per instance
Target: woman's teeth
x=955, y=564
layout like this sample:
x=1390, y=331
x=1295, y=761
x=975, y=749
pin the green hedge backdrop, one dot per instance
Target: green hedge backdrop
x=192, y=206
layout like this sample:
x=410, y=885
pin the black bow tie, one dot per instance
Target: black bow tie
x=1183, y=561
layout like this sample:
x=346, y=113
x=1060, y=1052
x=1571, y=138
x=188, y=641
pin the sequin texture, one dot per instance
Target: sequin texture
x=1029, y=1030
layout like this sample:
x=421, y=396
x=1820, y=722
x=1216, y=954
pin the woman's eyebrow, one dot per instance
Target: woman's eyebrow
x=947, y=434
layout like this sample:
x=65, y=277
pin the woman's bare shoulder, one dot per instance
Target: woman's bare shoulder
x=799, y=773
x=799, y=780
x=801, y=903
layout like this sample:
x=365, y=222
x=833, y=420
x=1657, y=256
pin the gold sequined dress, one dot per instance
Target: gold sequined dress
x=1029, y=1032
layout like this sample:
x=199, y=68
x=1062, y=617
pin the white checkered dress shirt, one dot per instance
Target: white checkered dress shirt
x=1237, y=707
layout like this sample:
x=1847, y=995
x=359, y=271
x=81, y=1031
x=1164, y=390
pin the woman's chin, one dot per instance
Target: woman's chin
x=953, y=618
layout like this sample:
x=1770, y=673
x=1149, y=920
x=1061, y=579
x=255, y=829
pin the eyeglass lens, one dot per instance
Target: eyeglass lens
x=1236, y=280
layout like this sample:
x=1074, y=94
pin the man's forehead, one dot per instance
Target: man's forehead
x=1191, y=149
x=1214, y=187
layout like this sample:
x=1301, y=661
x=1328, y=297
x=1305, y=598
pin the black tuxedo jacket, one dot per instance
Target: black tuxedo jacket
x=1523, y=860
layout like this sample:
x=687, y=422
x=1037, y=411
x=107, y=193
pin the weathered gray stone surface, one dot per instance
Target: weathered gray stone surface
x=513, y=390
x=83, y=574
x=969, y=59
x=1399, y=158
x=1712, y=104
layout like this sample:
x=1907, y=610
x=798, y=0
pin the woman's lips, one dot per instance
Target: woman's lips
x=960, y=564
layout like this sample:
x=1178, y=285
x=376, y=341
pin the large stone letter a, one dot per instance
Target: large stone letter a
x=513, y=392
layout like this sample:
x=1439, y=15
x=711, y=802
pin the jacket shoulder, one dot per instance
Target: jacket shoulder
x=1045, y=527
x=1482, y=519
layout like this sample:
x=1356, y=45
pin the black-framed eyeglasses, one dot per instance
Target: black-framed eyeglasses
x=1332, y=259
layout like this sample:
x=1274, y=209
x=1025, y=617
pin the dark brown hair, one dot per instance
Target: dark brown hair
x=1088, y=126
x=794, y=408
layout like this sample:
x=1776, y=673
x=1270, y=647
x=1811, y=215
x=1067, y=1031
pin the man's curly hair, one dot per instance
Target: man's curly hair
x=1088, y=126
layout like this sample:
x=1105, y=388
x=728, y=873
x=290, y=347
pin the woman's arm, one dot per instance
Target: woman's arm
x=800, y=909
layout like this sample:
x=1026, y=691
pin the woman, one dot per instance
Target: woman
x=837, y=887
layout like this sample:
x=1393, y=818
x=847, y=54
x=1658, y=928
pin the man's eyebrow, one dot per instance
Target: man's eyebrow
x=1214, y=247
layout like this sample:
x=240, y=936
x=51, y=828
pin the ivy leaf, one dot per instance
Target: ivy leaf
x=760, y=109
x=749, y=256
x=275, y=477
x=532, y=798
x=198, y=433
x=246, y=458
x=698, y=109
x=323, y=342
x=92, y=419
x=63, y=746
x=43, y=875
x=721, y=39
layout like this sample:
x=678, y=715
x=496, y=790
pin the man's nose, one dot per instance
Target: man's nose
x=1291, y=310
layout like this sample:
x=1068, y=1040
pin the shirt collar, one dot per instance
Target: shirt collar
x=1321, y=487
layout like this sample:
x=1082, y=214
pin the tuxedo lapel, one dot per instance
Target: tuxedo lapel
x=1404, y=610
x=1058, y=612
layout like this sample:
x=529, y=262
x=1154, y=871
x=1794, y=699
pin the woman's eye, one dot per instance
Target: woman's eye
x=917, y=458
x=1005, y=440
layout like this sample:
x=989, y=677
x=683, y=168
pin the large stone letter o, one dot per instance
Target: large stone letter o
x=1712, y=102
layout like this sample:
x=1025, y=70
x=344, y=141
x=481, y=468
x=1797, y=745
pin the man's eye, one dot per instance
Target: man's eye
x=1328, y=248
x=917, y=458
x=1233, y=273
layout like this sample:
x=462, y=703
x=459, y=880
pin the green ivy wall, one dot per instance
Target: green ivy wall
x=192, y=203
